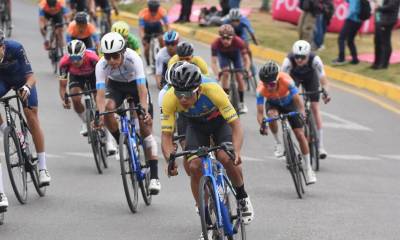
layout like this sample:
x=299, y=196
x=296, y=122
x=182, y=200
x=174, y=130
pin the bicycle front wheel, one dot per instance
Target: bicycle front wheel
x=313, y=142
x=34, y=172
x=129, y=179
x=15, y=164
x=233, y=92
x=232, y=206
x=292, y=164
x=144, y=183
x=1, y=218
x=208, y=211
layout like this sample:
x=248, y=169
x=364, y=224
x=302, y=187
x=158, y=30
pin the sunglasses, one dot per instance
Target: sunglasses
x=186, y=58
x=170, y=43
x=271, y=84
x=185, y=94
x=302, y=57
x=114, y=56
x=75, y=58
x=226, y=37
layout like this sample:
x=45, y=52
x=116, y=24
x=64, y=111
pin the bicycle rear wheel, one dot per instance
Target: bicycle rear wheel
x=144, y=184
x=313, y=142
x=15, y=164
x=94, y=140
x=1, y=218
x=101, y=135
x=232, y=205
x=129, y=179
x=233, y=92
x=291, y=163
x=208, y=210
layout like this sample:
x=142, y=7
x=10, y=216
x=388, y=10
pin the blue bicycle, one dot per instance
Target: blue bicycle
x=219, y=220
x=135, y=169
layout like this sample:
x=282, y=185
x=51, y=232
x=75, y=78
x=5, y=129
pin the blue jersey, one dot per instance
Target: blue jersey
x=242, y=28
x=15, y=66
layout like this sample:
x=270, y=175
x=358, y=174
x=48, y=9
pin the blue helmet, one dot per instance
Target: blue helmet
x=171, y=37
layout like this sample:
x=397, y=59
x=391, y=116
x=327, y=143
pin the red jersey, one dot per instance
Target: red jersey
x=237, y=44
x=88, y=66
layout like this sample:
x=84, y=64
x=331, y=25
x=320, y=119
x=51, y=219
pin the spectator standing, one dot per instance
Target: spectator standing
x=385, y=19
x=186, y=11
x=225, y=7
x=234, y=3
x=322, y=22
x=349, y=31
x=311, y=8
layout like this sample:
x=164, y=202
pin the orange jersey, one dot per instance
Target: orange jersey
x=75, y=32
x=281, y=96
x=146, y=18
x=60, y=6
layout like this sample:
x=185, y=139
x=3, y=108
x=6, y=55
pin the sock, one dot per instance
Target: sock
x=240, y=192
x=226, y=90
x=321, y=142
x=241, y=96
x=153, y=169
x=307, y=163
x=42, y=160
x=1, y=181
x=276, y=137
x=3, y=127
x=115, y=135
x=82, y=116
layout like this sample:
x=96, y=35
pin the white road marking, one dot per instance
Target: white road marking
x=49, y=155
x=392, y=157
x=341, y=123
x=80, y=154
x=353, y=157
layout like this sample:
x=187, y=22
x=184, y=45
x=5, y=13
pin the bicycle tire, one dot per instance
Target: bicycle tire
x=21, y=192
x=103, y=147
x=313, y=142
x=230, y=200
x=207, y=199
x=233, y=92
x=144, y=184
x=129, y=179
x=34, y=172
x=291, y=164
x=94, y=143
x=1, y=218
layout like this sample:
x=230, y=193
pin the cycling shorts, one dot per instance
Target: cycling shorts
x=32, y=99
x=56, y=19
x=225, y=59
x=119, y=91
x=295, y=121
x=198, y=134
x=79, y=81
x=181, y=124
x=151, y=31
x=310, y=85
x=79, y=5
x=88, y=42
x=104, y=5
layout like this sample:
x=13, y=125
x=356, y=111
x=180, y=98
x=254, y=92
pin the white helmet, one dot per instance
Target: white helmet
x=76, y=48
x=112, y=42
x=301, y=47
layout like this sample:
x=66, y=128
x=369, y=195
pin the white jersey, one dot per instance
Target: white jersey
x=317, y=65
x=131, y=70
x=162, y=59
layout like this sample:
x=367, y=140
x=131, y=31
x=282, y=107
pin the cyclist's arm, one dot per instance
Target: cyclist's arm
x=100, y=87
x=42, y=22
x=159, y=69
x=214, y=66
x=286, y=65
x=247, y=62
x=141, y=81
x=167, y=144
x=250, y=30
x=299, y=104
x=202, y=65
x=237, y=135
x=260, y=108
x=319, y=68
x=142, y=23
x=167, y=123
x=165, y=20
x=63, y=78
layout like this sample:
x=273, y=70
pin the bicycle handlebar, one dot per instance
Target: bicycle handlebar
x=66, y=95
x=280, y=117
x=119, y=111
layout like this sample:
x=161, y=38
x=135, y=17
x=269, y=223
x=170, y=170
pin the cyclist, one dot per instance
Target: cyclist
x=105, y=7
x=281, y=95
x=226, y=49
x=184, y=52
x=83, y=30
x=16, y=73
x=55, y=12
x=209, y=114
x=122, y=28
x=151, y=21
x=123, y=69
x=307, y=69
x=78, y=6
x=171, y=39
x=241, y=25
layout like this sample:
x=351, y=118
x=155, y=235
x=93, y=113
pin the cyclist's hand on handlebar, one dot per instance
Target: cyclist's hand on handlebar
x=66, y=104
x=325, y=96
x=238, y=160
x=264, y=129
x=24, y=92
x=172, y=168
x=98, y=122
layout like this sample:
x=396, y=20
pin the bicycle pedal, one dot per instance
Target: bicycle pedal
x=3, y=209
x=44, y=184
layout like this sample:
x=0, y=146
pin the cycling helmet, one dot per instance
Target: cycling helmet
x=81, y=18
x=184, y=49
x=51, y=3
x=2, y=38
x=112, y=43
x=121, y=27
x=269, y=72
x=226, y=30
x=170, y=70
x=153, y=5
x=171, y=37
x=234, y=14
x=76, y=48
x=186, y=77
x=301, y=47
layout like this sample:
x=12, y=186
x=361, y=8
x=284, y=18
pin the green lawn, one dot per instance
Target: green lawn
x=280, y=36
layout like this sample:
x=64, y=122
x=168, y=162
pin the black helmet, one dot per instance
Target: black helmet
x=184, y=49
x=81, y=18
x=170, y=70
x=269, y=71
x=186, y=77
x=51, y=3
x=1, y=37
x=153, y=5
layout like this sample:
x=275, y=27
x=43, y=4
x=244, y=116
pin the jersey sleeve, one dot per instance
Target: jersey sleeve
x=168, y=109
x=133, y=42
x=139, y=69
x=41, y=12
x=100, y=75
x=214, y=48
x=292, y=87
x=286, y=66
x=260, y=98
x=23, y=60
x=318, y=65
x=164, y=15
x=247, y=23
x=202, y=65
x=64, y=66
x=141, y=18
x=221, y=101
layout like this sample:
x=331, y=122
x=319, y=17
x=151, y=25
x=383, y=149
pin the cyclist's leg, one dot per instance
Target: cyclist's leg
x=58, y=21
x=146, y=47
x=238, y=64
x=76, y=84
x=160, y=39
x=4, y=88
x=224, y=62
x=115, y=97
x=273, y=111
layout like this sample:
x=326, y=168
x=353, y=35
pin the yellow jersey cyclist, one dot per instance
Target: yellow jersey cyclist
x=307, y=70
x=120, y=75
x=122, y=28
x=171, y=40
x=282, y=96
x=210, y=114
x=184, y=52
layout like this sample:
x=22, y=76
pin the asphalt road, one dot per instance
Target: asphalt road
x=357, y=195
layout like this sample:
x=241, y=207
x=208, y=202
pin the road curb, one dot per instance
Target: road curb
x=385, y=89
